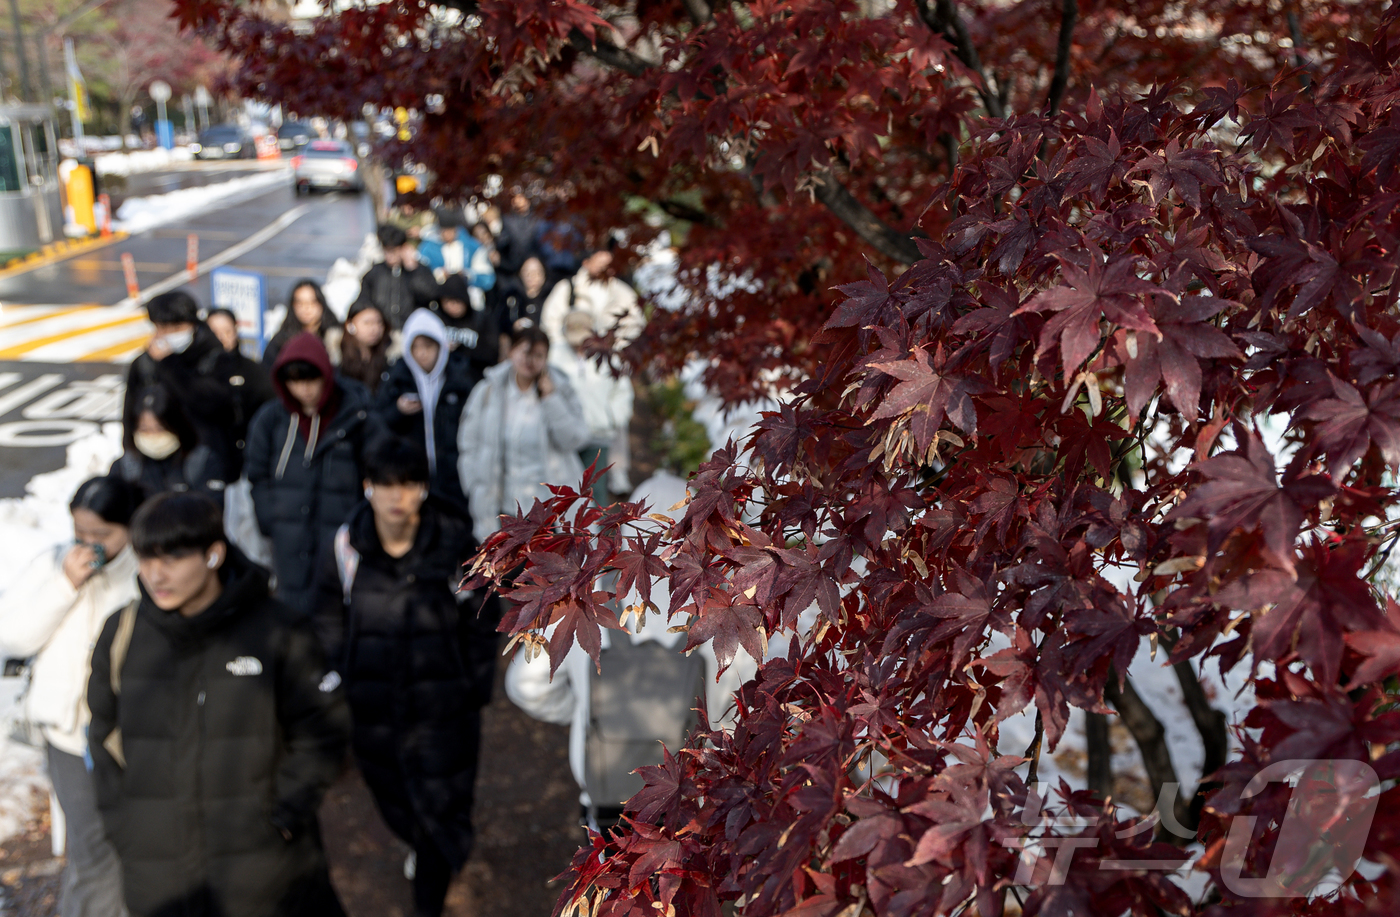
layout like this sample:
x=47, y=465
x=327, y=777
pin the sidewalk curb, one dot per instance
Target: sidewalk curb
x=55, y=252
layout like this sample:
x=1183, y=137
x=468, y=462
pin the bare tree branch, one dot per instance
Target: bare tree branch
x=1069, y=14
x=882, y=237
x=944, y=20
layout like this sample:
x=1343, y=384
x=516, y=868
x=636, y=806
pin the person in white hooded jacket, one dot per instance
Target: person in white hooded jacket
x=54, y=612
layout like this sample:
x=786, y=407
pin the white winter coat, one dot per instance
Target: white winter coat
x=42, y=615
x=611, y=302
x=481, y=444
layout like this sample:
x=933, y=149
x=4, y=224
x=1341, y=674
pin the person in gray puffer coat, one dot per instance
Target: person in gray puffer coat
x=305, y=462
x=521, y=431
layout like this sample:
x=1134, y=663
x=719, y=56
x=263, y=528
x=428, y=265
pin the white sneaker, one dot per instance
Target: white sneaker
x=410, y=865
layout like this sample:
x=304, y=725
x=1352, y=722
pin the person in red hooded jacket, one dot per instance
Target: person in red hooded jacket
x=305, y=462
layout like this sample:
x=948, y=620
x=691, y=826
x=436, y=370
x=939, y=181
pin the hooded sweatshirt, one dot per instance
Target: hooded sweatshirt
x=423, y=323
x=307, y=346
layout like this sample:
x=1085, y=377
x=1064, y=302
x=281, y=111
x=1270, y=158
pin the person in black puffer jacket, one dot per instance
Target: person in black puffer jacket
x=305, y=462
x=416, y=658
x=425, y=392
x=215, y=730
x=187, y=358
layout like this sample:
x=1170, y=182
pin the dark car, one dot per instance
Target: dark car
x=225, y=141
x=293, y=135
x=327, y=165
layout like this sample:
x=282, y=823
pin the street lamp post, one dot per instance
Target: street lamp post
x=165, y=131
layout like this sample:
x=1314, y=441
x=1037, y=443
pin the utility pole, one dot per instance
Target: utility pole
x=26, y=85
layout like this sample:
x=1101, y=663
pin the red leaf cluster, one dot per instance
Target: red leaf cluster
x=979, y=486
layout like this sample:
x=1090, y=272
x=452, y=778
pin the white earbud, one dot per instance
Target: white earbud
x=213, y=561
x=369, y=492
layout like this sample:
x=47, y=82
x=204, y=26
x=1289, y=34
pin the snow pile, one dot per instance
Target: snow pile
x=140, y=160
x=30, y=525
x=138, y=214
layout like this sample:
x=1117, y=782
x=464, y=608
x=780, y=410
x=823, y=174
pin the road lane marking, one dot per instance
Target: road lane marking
x=115, y=353
x=18, y=350
x=48, y=313
x=181, y=278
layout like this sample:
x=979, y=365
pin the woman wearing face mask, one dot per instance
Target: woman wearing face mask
x=163, y=451
x=186, y=358
x=307, y=310
x=55, y=612
x=368, y=348
x=521, y=431
x=423, y=397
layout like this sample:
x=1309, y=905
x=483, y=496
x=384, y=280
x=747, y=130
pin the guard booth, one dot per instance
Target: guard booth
x=31, y=212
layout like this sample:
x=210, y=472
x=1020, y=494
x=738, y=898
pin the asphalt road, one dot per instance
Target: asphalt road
x=43, y=406
x=333, y=226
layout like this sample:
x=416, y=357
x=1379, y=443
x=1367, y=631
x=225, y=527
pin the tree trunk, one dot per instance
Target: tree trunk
x=1151, y=738
x=1100, y=752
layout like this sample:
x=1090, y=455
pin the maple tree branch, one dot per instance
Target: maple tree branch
x=1100, y=764
x=1033, y=750
x=885, y=239
x=1151, y=738
x=1069, y=14
x=945, y=21
x=628, y=62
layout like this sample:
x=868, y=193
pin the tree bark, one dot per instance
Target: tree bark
x=1069, y=14
x=1151, y=739
x=882, y=237
x=1100, y=753
x=944, y=20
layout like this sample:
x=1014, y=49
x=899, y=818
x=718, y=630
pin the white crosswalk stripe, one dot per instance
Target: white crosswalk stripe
x=72, y=334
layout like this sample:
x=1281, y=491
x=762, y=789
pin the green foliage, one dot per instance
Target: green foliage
x=678, y=440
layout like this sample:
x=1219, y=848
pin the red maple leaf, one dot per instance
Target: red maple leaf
x=1109, y=289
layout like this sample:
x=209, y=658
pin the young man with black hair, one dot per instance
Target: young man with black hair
x=305, y=461
x=214, y=389
x=398, y=284
x=416, y=658
x=216, y=729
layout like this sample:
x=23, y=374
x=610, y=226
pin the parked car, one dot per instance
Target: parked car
x=224, y=141
x=293, y=135
x=327, y=165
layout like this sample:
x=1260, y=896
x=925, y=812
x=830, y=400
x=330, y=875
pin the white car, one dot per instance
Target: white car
x=327, y=165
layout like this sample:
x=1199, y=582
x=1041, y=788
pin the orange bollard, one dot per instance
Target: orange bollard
x=133, y=289
x=192, y=255
x=106, y=215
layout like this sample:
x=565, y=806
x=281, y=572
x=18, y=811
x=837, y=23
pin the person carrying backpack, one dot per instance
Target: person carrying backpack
x=216, y=730
x=644, y=696
x=416, y=660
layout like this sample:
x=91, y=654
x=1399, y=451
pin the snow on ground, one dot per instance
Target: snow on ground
x=30, y=525
x=138, y=214
x=140, y=161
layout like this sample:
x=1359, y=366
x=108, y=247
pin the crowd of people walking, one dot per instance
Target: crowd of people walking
x=270, y=573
